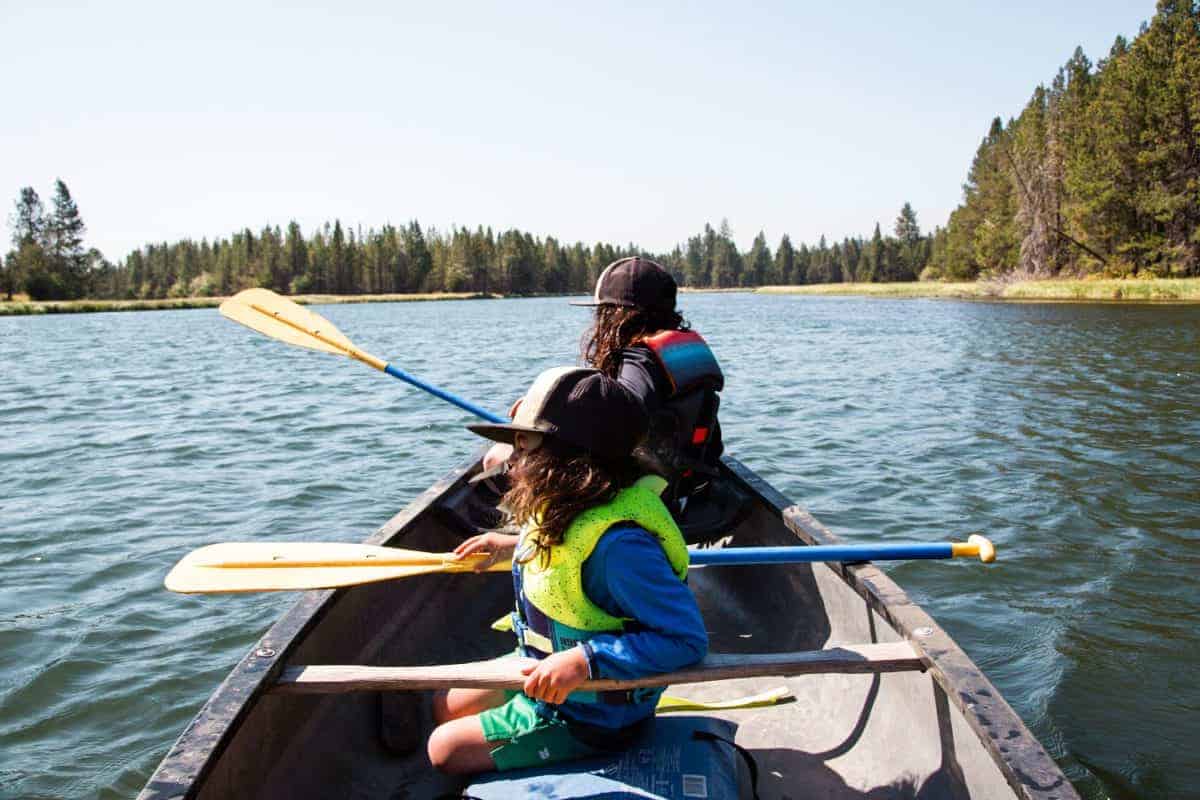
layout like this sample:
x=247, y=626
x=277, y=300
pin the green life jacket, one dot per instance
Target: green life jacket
x=553, y=612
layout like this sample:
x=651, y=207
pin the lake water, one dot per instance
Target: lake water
x=1069, y=434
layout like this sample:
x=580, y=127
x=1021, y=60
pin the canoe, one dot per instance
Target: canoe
x=936, y=729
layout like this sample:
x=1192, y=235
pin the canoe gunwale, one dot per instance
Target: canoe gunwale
x=1024, y=762
x=1027, y=768
x=182, y=771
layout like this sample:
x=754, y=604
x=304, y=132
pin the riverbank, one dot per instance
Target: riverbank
x=21, y=307
x=1180, y=290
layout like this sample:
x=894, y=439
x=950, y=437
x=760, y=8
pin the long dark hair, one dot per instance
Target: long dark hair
x=617, y=327
x=556, y=483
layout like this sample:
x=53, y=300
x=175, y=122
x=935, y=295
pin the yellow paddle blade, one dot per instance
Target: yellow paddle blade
x=668, y=703
x=268, y=313
x=278, y=566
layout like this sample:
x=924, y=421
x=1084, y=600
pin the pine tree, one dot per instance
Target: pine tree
x=876, y=267
x=1166, y=58
x=339, y=267
x=28, y=239
x=758, y=263
x=295, y=256
x=727, y=263
x=836, y=266
x=694, y=271
x=850, y=257
x=908, y=233
x=785, y=262
x=66, y=258
x=28, y=219
x=803, y=266
x=420, y=260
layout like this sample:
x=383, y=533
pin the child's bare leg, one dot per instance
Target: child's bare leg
x=451, y=704
x=457, y=747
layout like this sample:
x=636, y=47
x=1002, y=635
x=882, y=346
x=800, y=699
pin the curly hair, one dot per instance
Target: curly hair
x=617, y=327
x=556, y=483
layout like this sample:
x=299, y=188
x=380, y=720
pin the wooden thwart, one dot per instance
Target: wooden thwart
x=505, y=673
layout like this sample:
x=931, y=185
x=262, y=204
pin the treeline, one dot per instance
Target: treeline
x=48, y=259
x=1100, y=173
x=409, y=259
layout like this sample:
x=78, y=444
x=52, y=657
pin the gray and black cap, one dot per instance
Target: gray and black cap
x=581, y=407
x=635, y=282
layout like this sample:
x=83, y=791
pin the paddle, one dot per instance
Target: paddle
x=269, y=314
x=274, y=566
x=505, y=673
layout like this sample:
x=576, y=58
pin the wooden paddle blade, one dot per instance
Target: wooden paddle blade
x=279, y=566
x=189, y=579
x=269, y=314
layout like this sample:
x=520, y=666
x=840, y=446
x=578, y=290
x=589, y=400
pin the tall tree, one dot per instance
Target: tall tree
x=28, y=219
x=908, y=233
x=295, y=254
x=785, y=262
x=28, y=239
x=758, y=263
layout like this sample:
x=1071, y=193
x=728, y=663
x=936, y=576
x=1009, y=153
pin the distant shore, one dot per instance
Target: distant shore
x=1178, y=290
x=19, y=307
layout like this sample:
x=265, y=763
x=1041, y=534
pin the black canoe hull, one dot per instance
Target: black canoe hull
x=946, y=732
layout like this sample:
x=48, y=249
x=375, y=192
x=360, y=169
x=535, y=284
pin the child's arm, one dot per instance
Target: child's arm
x=556, y=675
x=498, y=546
x=629, y=576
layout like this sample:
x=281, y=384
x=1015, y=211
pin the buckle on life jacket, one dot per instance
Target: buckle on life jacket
x=533, y=644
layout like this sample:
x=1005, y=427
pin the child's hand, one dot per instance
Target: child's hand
x=556, y=676
x=498, y=546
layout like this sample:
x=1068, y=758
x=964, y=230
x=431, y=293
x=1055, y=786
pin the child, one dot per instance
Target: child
x=641, y=340
x=599, y=571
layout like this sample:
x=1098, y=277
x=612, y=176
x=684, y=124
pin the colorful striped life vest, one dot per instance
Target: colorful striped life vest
x=682, y=432
x=688, y=360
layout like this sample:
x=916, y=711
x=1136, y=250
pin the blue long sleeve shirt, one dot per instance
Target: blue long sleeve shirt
x=628, y=576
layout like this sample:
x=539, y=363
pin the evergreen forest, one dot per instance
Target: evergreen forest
x=1098, y=175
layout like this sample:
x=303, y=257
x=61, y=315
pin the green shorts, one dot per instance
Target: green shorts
x=524, y=738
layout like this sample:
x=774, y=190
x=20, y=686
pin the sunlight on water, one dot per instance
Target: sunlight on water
x=1069, y=434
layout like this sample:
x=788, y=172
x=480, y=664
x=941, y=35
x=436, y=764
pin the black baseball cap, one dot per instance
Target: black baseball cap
x=579, y=406
x=635, y=282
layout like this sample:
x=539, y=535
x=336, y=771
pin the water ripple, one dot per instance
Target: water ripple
x=1069, y=434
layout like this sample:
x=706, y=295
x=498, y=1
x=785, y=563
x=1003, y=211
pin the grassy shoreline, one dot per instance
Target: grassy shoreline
x=25, y=307
x=1173, y=290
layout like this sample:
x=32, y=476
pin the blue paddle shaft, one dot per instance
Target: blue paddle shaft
x=805, y=554
x=396, y=372
x=734, y=555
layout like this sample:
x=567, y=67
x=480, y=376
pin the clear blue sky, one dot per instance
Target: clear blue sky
x=583, y=121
